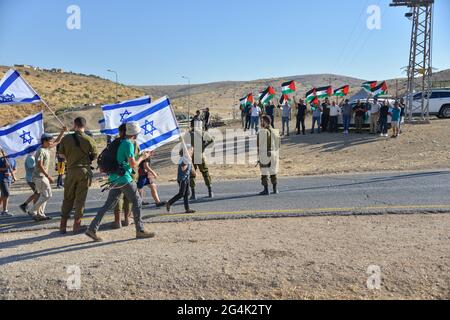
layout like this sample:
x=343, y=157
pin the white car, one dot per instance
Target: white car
x=439, y=102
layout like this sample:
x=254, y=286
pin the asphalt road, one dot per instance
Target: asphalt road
x=377, y=193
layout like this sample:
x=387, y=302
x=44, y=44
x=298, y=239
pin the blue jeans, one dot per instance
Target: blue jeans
x=285, y=124
x=314, y=121
x=255, y=124
x=346, y=120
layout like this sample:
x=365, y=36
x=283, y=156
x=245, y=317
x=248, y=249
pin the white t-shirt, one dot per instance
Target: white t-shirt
x=256, y=111
x=334, y=111
x=375, y=108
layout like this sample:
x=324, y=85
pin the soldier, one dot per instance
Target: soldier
x=268, y=151
x=198, y=135
x=79, y=150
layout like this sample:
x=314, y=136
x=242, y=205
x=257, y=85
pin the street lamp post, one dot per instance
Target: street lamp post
x=117, y=82
x=189, y=96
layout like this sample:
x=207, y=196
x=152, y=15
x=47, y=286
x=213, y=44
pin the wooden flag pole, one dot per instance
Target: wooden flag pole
x=8, y=165
x=53, y=112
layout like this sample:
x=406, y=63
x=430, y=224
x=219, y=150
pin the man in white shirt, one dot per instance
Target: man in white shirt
x=374, y=115
x=334, y=114
x=255, y=115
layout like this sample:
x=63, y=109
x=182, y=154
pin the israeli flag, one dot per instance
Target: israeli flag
x=23, y=137
x=158, y=123
x=15, y=90
x=116, y=114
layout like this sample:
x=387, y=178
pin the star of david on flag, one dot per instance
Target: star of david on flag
x=116, y=114
x=158, y=123
x=15, y=90
x=23, y=137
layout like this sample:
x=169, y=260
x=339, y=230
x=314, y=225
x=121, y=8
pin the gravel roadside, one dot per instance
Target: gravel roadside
x=288, y=258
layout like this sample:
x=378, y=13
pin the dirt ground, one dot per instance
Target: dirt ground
x=286, y=258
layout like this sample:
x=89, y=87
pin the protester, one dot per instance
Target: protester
x=41, y=176
x=301, y=116
x=316, y=117
x=270, y=111
x=395, y=115
x=360, y=113
x=123, y=183
x=255, y=116
x=347, y=112
x=374, y=115
x=286, y=116
x=268, y=150
x=124, y=205
x=30, y=164
x=7, y=170
x=197, y=118
x=402, y=115
x=146, y=178
x=334, y=115
x=248, y=116
x=325, y=115
x=60, y=167
x=206, y=119
x=79, y=151
x=243, y=116
x=183, y=176
x=384, y=112
x=204, y=139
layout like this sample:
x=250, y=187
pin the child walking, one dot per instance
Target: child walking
x=184, y=173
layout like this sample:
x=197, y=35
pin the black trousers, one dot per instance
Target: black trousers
x=247, y=122
x=272, y=121
x=325, y=122
x=334, y=124
x=182, y=193
x=301, y=122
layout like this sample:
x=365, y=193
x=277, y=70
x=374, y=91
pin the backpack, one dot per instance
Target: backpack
x=107, y=160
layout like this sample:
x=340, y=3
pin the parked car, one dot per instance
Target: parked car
x=439, y=102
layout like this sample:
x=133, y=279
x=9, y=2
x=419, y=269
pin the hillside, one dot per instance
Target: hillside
x=64, y=91
x=222, y=97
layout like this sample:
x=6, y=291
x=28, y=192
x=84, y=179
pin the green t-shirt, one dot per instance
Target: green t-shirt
x=125, y=151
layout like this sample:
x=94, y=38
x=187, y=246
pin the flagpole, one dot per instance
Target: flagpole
x=52, y=112
x=181, y=136
x=8, y=165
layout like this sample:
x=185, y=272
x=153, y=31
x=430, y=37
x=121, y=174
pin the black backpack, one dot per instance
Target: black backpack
x=107, y=160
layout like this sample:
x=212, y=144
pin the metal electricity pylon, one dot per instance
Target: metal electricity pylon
x=420, y=58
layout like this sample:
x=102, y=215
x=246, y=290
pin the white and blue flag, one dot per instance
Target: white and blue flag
x=15, y=90
x=24, y=137
x=116, y=114
x=158, y=123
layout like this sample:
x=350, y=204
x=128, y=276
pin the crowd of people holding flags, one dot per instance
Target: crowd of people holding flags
x=141, y=126
x=325, y=114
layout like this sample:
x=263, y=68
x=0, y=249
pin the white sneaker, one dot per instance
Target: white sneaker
x=7, y=214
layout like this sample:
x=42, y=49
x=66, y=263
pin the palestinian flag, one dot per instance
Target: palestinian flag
x=288, y=87
x=369, y=86
x=248, y=100
x=324, y=92
x=266, y=95
x=380, y=90
x=284, y=99
x=311, y=95
x=341, y=92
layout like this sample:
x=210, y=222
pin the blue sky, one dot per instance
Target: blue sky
x=157, y=42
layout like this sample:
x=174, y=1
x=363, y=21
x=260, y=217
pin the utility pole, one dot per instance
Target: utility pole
x=420, y=58
x=117, y=83
x=189, y=97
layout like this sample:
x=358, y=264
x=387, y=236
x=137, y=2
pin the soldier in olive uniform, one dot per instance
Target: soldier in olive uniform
x=79, y=150
x=197, y=135
x=268, y=151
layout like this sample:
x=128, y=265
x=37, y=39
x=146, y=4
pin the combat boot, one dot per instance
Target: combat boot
x=210, y=193
x=193, y=196
x=265, y=192
x=76, y=226
x=275, y=189
x=63, y=226
x=117, y=224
